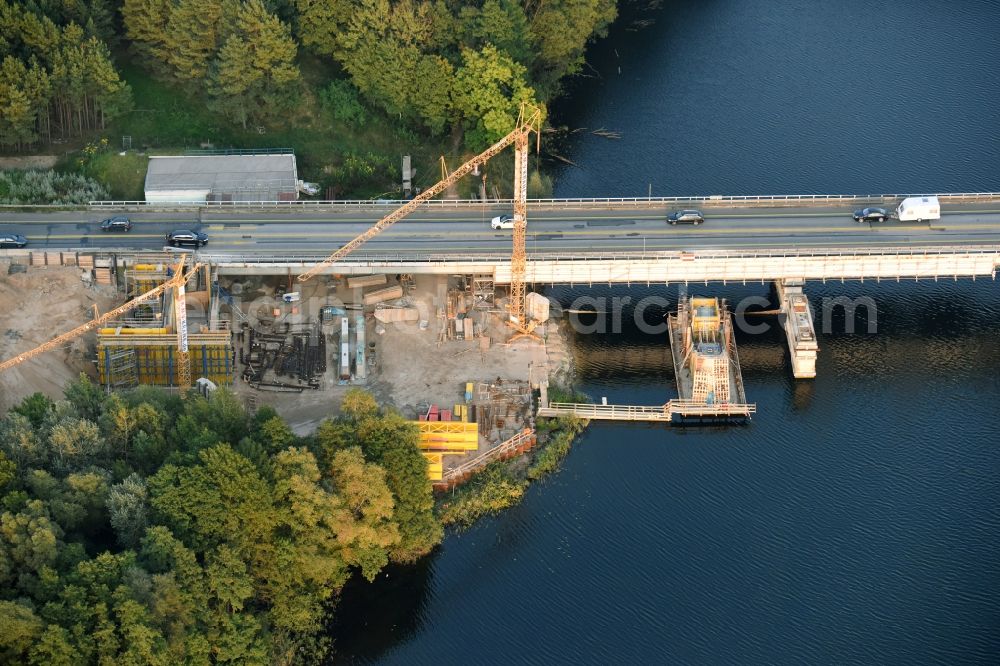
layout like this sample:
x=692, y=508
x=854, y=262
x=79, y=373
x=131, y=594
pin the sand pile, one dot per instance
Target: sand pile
x=35, y=307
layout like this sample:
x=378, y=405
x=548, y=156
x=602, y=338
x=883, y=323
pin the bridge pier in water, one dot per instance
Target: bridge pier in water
x=797, y=320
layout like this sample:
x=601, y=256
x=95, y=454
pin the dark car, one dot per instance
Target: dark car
x=686, y=217
x=117, y=223
x=871, y=214
x=13, y=240
x=187, y=237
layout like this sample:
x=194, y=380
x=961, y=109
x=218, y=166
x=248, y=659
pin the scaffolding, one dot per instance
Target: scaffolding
x=141, y=348
x=122, y=369
x=483, y=289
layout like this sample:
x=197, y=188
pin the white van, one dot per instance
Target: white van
x=919, y=209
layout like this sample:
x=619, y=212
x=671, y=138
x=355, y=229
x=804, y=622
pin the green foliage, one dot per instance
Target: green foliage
x=86, y=397
x=549, y=455
x=340, y=100
x=566, y=394
x=8, y=472
x=20, y=628
x=254, y=75
x=491, y=491
x=540, y=185
x=56, y=78
x=356, y=169
x=197, y=553
x=127, y=510
x=123, y=176
x=36, y=407
x=561, y=31
x=391, y=442
x=48, y=187
x=489, y=92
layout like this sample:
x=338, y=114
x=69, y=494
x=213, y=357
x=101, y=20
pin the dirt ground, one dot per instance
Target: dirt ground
x=413, y=365
x=34, y=307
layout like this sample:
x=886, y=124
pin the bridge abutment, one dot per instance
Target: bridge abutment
x=797, y=319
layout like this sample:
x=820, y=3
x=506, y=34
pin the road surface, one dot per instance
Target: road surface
x=570, y=231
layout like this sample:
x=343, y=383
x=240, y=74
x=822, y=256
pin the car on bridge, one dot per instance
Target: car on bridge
x=13, y=240
x=871, y=215
x=689, y=216
x=117, y=223
x=187, y=237
x=502, y=222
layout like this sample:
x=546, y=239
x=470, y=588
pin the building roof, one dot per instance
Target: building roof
x=244, y=177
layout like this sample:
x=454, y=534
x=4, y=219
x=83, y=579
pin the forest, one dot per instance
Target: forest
x=140, y=528
x=437, y=67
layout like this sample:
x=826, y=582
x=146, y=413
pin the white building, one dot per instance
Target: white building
x=222, y=177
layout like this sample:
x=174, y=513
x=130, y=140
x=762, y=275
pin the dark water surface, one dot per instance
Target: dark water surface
x=855, y=520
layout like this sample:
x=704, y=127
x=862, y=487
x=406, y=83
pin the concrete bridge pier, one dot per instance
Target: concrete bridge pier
x=797, y=318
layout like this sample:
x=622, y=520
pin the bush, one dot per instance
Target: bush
x=566, y=394
x=48, y=187
x=364, y=170
x=549, y=456
x=491, y=491
x=340, y=99
x=539, y=185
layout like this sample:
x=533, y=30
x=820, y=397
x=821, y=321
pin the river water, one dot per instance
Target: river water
x=855, y=520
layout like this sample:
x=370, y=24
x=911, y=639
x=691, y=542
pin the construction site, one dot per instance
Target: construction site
x=456, y=355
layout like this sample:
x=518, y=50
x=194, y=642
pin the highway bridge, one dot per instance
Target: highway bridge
x=787, y=240
x=571, y=228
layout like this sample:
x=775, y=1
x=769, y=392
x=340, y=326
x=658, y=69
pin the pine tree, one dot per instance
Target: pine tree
x=255, y=74
x=145, y=23
x=191, y=39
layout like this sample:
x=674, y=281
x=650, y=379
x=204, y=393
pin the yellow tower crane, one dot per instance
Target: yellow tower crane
x=177, y=281
x=527, y=123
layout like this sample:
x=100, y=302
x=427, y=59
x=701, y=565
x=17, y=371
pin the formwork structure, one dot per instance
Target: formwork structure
x=706, y=356
x=445, y=438
x=706, y=364
x=141, y=348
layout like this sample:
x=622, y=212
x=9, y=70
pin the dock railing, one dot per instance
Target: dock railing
x=500, y=451
x=663, y=413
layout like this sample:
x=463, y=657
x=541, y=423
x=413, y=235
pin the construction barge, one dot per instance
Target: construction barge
x=706, y=364
x=706, y=367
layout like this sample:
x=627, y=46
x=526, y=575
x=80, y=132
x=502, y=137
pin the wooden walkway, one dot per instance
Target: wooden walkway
x=664, y=413
x=514, y=446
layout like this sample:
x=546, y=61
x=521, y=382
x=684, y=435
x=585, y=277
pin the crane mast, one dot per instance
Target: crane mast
x=526, y=123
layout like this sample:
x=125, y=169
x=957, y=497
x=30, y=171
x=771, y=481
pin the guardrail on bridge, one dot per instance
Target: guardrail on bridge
x=777, y=200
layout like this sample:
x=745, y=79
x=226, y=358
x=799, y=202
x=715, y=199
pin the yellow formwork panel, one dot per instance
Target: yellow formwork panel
x=155, y=365
x=133, y=331
x=435, y=466
x=448, y=451
x=450, y=444
x=449, y=437
x=445, y=427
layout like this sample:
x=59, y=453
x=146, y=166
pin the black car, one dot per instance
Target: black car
x=686, y=217
x=871, y=214
x=13, y=240
x=117, y=223
x=187, y=237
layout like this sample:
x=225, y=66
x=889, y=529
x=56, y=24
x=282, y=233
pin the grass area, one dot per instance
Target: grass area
x=123, y=175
